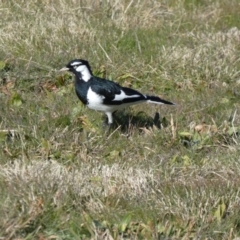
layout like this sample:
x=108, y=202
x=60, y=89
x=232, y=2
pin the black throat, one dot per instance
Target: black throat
x=81, y=88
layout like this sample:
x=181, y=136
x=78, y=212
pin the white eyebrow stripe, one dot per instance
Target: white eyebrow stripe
x=122, y=95
x=76, y=63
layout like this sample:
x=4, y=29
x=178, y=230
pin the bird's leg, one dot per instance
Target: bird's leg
x=105, y=122
x=108, y=122
x=109, y=118
x=106, y=127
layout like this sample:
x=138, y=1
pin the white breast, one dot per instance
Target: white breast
x=95, y=101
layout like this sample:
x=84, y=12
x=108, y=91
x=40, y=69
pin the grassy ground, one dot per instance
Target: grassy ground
x=165, y=172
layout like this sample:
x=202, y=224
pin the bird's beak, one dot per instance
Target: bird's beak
x=64, y=69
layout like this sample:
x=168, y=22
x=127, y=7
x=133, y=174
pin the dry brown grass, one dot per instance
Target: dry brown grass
x=62, y=177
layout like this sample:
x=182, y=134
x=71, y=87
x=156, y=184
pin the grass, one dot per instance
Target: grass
x=163, y=173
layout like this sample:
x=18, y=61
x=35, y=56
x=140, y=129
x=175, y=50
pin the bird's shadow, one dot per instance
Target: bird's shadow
x=126, y=121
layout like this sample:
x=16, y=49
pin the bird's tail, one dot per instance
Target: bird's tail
x=158, y=100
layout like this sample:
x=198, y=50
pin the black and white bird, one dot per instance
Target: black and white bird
x=102, y=94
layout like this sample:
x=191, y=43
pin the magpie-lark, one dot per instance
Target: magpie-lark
x=102, y=94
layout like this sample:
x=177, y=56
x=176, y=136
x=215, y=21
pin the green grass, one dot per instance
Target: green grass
x=162, y=173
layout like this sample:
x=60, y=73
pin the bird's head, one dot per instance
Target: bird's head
x=80, y=68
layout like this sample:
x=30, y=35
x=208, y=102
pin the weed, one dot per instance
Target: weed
x=162, y=173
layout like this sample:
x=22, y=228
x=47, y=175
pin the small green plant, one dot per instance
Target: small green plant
x=161, y=173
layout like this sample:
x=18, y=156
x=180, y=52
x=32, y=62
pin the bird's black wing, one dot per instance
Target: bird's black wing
x=105, y=88
x=113, y=93
x=132, y=95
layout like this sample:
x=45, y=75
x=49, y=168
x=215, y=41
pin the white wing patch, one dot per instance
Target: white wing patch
x=122, y=95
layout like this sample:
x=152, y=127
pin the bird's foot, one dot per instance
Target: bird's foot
x=107, y=126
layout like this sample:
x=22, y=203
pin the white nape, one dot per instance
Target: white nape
x=83, y=69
